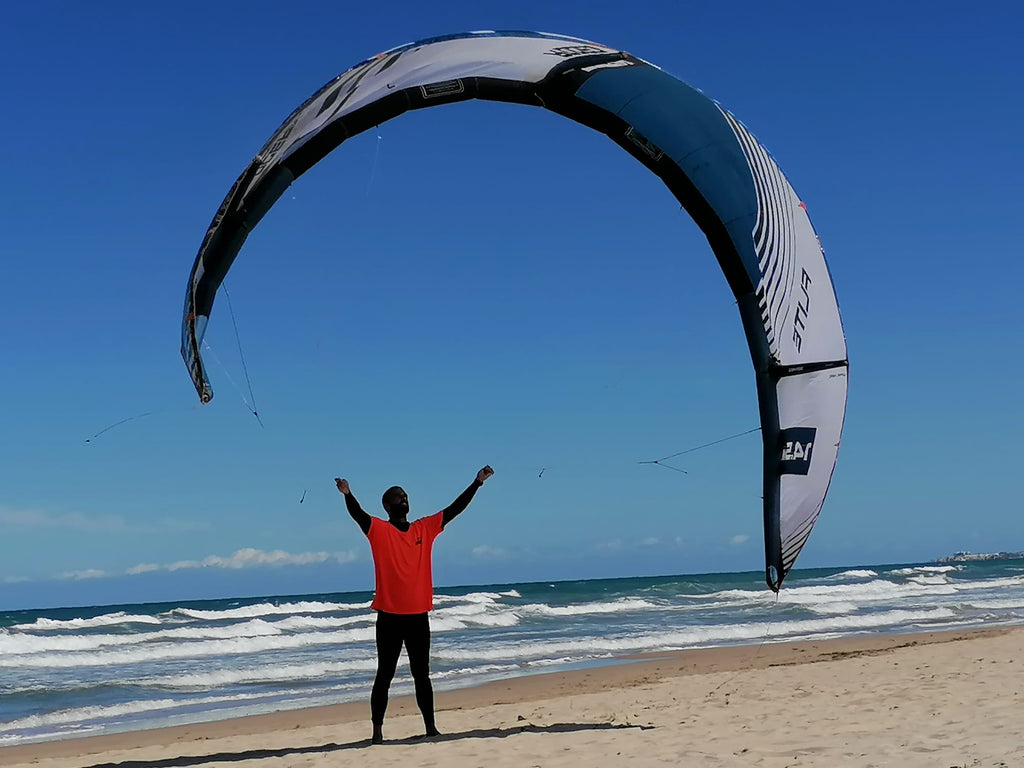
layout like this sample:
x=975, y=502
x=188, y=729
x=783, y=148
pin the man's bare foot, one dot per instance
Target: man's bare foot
x=378, y=735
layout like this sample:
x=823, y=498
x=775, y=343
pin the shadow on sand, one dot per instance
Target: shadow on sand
x=186, y=761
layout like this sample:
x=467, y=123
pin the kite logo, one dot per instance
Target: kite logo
x=568, y=51
x=644, y=144
x=795, y=455
x=446, y=88
x=803, y=306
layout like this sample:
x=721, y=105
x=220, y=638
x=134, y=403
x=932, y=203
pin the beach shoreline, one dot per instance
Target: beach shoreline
x=652, y=697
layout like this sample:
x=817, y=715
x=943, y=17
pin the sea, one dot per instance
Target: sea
x=70, y=672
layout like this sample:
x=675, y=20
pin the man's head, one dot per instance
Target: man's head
x=396, y=502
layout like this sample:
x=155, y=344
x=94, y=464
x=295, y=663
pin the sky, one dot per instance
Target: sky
x=484, y=283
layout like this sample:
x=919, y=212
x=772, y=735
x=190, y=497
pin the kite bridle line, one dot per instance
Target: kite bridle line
x=696, y=448
x=373, y=165
x=251, y=402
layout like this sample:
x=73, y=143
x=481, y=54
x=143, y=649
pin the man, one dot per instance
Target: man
x=404, y=592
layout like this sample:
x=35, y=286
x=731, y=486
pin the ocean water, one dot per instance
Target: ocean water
x=77, y=671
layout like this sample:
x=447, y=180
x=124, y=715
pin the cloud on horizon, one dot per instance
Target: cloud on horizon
x=90, y=573
x=248, y=558
x=485, y=552
x=634, y=545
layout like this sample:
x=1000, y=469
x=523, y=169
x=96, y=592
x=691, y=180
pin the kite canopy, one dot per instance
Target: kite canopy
x=757, y=226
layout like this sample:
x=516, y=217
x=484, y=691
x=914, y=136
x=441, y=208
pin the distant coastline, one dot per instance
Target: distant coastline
x=963, y=557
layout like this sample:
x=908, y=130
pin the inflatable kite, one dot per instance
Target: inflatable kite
x=756, y=225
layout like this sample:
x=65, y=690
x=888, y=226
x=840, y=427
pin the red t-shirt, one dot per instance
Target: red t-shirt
x=401, y=564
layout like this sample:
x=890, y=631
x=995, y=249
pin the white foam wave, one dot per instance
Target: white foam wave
x=564, y=660
x=815, y=596
x=483, y=613
x=996, y=604
x=231, y=646
x=83, y=715
x=467, y=610
x=925, y=569
x=854, y=574
x=473, y=597
x=1000, y=583
x=288, y=673
x=929, y=579
x=690, y=637
x=300, y=623
x=20, y=644
x=481, y=669
x=921, y=582
x=623, y=605
x=109, y=619
x=268, y=609
x=17, y=644
x=450, y=623
x=878, y=590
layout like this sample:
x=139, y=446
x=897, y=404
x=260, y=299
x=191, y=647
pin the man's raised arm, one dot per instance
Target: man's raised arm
x=456, y=508
x=357, y=513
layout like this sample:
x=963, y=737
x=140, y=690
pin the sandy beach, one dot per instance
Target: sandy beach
x=933, y=700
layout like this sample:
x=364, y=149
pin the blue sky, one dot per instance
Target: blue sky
x=485, y=283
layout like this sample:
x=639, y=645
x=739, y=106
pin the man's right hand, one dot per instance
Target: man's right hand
x=342, y=485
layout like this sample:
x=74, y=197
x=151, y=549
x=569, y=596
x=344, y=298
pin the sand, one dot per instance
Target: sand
x=933, y=700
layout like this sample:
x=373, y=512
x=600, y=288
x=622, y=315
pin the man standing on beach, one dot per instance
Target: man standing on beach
x=404, y=591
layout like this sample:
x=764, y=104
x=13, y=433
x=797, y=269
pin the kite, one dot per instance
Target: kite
x=755, y=223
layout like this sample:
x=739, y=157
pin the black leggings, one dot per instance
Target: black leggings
x=394, y=630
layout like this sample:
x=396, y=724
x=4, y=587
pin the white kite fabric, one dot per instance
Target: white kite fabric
x=757, y=226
